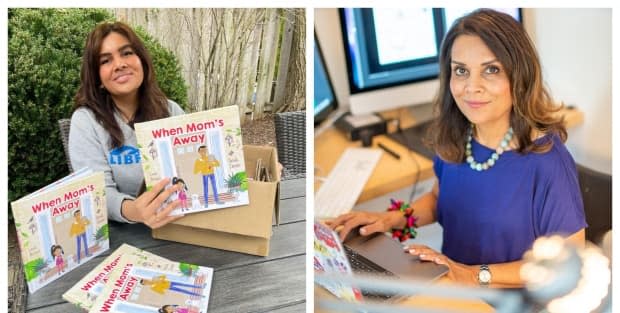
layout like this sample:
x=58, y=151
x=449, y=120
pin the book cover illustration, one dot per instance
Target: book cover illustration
x=61, y=226
x=137, y=288
x=85, y=292
x=329, y=257
x=202, y=151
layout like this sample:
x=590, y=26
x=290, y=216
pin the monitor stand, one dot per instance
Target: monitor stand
x=412, y=138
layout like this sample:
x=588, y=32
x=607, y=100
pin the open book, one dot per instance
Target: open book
x=203, y=152
x=61, y=226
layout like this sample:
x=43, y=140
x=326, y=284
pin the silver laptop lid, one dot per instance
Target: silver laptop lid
x=389, y=254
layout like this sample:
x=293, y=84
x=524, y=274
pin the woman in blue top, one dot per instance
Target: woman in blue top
x=504, y=176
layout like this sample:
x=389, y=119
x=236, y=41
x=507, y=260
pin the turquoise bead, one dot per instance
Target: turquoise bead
x=493, y=158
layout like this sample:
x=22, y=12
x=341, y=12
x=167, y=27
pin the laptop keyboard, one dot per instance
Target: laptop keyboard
x=362, y=265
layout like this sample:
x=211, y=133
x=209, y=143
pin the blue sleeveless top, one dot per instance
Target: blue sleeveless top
x=494, y=216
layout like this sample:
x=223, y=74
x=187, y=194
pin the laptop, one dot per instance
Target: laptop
x=376, y=254
x=379, y=253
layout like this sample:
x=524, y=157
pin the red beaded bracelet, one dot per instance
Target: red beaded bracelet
x=408, y=231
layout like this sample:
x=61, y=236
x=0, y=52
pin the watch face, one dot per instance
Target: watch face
x=484, y=276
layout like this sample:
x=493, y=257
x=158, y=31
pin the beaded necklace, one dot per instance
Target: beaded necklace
x=493, y=158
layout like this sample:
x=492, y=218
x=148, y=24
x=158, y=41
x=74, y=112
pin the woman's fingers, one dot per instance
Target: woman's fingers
x=163, y=196
x=163, y=217
x=427, y=254
x=353, y=222
x=156, y=189
x=340, y=220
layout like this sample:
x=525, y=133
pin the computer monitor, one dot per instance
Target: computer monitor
x=324, y=98
x=392, y=55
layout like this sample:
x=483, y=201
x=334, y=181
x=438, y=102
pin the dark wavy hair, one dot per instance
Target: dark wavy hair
x=54, y=247
x=532, y=106
x=152, y=104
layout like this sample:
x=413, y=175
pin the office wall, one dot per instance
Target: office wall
x=575, y=51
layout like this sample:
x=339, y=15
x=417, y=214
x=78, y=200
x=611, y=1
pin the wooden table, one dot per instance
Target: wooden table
x=241, y=283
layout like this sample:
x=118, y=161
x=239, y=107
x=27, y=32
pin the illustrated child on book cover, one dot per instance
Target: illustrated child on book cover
x=61, y=227
x=203, y=151
x=171, y=308
x=57, y=253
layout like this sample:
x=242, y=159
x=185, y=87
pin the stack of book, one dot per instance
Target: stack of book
x=133, y=280
x=65, y=224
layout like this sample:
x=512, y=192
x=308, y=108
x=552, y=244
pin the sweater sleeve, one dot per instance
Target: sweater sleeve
x=174, y=108
x=88, y=143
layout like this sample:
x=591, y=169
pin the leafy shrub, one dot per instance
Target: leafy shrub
x=45, y=51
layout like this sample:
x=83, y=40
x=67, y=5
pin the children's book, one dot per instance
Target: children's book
x=61, y=226
x=203, y=152
x=85, y=292
x=329, y=257
x=135, y=287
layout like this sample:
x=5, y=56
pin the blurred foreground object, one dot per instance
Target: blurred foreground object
x=559, y=277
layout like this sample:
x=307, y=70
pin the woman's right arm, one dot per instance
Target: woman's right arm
x=424, y=208
x=88, y=148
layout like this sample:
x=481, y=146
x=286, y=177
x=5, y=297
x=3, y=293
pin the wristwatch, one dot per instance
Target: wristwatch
x=484, y=275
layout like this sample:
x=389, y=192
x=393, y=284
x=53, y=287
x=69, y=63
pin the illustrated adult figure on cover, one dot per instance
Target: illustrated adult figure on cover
x=117, y=89
x=78, y=230
x=503, y=174
x=161, y=284
x=205, y=165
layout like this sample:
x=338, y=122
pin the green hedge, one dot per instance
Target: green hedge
x=45, y=51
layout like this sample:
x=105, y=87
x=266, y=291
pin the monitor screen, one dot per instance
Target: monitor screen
x=380, y=56
x=324, y=99
x=392, y=55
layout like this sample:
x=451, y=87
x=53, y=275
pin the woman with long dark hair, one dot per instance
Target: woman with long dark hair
x=117, y=89
x=504, y=176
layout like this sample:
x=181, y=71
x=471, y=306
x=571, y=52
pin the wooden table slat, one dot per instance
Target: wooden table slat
x=293, y=188
x=292, y=210
x=264, y=285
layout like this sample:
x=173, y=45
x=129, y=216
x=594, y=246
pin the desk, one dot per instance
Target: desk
x=419, y=302
x=241, y=282
x=390, y=174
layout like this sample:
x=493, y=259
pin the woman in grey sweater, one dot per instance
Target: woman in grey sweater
x=118, y=88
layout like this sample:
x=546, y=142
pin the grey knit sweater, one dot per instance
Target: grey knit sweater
x=89, y=147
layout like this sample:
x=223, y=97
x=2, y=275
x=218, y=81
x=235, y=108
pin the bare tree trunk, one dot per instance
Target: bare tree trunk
x=219, y=51
x=267, y=59
x=285, y=53
x=295, y=98
x=249, y=47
